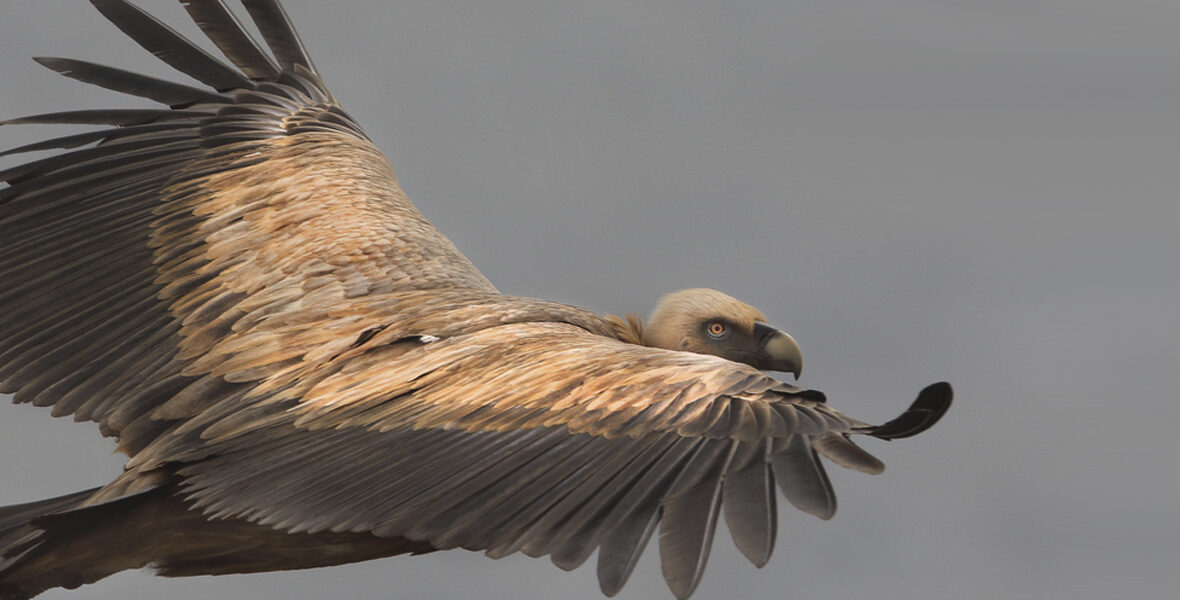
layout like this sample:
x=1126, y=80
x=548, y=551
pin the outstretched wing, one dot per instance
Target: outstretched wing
x=125, y=261
x=538, y=437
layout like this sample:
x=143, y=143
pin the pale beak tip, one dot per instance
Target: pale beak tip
x=784, y=353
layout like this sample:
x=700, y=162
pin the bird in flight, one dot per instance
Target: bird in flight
x=303, y=371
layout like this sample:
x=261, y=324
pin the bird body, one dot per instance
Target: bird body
x=303, y=371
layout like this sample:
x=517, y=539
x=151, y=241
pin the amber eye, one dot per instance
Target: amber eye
x=716, y=329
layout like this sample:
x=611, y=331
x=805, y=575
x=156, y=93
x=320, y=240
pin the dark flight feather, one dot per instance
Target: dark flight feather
x=176, y=95
x=225, y=30
x=280, y=35
x=171, y=47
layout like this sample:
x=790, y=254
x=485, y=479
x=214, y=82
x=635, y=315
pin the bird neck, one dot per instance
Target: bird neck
x=628, y=328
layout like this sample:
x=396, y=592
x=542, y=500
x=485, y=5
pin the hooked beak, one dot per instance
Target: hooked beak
x=780, y=352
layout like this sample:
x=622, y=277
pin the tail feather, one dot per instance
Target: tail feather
x=18, y=515
x=18, y=535
x=62, y=543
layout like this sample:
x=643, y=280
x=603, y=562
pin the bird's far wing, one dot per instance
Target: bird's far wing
x=537, y=437
x=124, y=261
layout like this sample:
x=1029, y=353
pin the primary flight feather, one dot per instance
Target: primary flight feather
x=304, y=372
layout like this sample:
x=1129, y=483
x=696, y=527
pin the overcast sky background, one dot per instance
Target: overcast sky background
x=977, y=191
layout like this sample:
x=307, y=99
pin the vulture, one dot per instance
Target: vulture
x=302, y=371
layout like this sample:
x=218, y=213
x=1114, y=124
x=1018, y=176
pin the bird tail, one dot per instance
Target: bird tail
x=21, y=536
x=15, y=518
x=62, y=542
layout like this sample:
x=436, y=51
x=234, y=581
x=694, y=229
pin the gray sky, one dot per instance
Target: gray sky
x=976, y=191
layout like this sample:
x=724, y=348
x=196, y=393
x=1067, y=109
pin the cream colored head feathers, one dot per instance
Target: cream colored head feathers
x=706, y=321
x=680, y=313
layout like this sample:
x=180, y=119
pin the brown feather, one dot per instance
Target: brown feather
x=628, y=329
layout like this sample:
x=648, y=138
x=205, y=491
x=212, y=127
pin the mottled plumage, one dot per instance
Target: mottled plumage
x=303, y=371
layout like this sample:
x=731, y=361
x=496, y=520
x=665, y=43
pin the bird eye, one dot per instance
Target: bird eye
x=716, y=329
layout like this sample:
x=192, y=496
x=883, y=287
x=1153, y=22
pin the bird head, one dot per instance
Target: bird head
x=709, y=322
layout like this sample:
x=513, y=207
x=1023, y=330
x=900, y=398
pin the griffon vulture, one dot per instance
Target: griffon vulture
x=304, y=372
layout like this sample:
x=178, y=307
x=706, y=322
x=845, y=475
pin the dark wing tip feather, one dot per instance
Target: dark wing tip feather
x=931, y=405
x=69, y=141
x=103, y=135
x=689, y=517
x=621, y=549
x=224, y=29
x=112, y=116
x=128, y=82
x=276, y=28
x=169, y=46
x=842, y=451
x=750, y=511
x=802, y=478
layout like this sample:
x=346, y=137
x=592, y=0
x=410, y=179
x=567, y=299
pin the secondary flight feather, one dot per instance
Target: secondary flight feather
x=304, y=372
